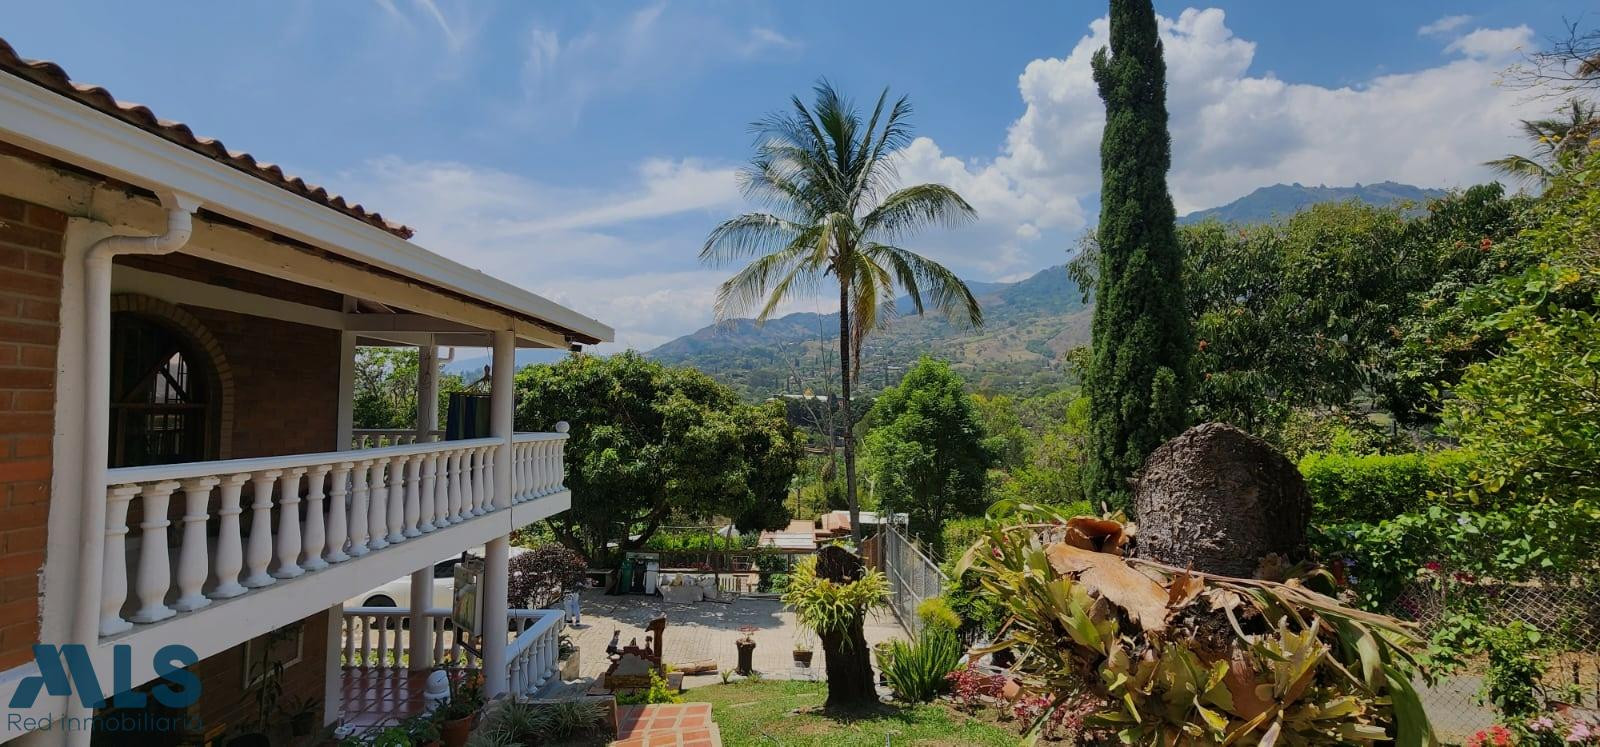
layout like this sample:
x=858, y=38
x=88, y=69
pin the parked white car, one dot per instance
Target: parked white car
x=397, y=593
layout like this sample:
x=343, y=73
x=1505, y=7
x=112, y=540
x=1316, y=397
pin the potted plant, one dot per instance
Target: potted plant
x=457, y=714
x=746, y=644
x=301, y=715
x=802, y=653
x=422, y=730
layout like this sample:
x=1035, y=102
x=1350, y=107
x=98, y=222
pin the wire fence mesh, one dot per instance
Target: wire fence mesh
x=1566, y=612
x=912, y=575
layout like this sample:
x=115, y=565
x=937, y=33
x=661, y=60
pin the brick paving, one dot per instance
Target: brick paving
x=707, y=630
x=676, y=725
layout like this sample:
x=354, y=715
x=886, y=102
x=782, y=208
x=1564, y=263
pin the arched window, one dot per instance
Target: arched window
x=162, y=394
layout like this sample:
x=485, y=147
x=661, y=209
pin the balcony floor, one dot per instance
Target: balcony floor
x=372, y=697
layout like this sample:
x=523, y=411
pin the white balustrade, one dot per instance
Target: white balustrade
x=372, y=438
x=536, y=466
x=305, y=512
x=374, y=637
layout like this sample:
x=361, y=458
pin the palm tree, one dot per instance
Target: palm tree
x=827, y=178
x=1555, y=142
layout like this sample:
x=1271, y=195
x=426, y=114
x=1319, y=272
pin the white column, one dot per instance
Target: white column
x=421, y=623
x=316, y=533
x=230, y=547
x=502, y=401
x=114, y=574
x=497, y=554
x=496, y=569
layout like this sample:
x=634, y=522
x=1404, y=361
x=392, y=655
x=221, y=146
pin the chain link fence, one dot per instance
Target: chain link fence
x=912, y=575
x=1566, y=612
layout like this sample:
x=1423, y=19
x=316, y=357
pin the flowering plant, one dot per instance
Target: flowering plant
x=970, y=687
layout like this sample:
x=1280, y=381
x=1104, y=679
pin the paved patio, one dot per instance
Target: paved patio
x=707, y=630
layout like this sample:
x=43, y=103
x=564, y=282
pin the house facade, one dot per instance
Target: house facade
x=178, y=462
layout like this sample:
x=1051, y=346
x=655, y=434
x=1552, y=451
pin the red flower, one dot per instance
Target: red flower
x=1485, y=244
x=1432, y=565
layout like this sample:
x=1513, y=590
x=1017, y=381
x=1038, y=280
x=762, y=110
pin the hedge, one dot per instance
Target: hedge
x=1375, y=487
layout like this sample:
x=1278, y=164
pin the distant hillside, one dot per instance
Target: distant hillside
x=1283, y=200
x=1028, y=326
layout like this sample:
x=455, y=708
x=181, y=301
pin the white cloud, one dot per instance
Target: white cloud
x=626, y=253
x=585, y=248
x=1233, y=131
x=1492, y=44
x=1444, y=25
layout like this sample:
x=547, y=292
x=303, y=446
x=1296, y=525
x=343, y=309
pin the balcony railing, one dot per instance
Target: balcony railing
x=371, y=438
x=305, y=512
x=375, y=637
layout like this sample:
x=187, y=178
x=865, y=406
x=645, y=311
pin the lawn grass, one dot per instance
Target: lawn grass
x=759, y=713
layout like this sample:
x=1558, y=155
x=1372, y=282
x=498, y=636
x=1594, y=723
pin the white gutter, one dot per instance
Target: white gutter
x=97, y=398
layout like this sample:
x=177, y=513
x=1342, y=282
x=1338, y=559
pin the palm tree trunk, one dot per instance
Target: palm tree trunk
x=844, y=410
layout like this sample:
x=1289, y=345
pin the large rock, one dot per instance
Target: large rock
x=1219, y=499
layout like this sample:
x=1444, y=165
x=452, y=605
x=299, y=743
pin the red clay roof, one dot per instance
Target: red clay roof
x=50, y=76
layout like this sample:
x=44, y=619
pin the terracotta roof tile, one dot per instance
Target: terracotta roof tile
x=50, y=76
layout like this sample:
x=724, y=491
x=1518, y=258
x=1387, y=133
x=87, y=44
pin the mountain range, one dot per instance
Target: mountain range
x=1028, y=325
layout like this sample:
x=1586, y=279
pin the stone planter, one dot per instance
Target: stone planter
x=802, y=659
x=569, y=665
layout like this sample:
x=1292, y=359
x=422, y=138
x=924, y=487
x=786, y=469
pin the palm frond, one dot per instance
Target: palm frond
x=1522, y=169
x=748, y=235
x=949, y=293
x=913, y=208
x=771, y=277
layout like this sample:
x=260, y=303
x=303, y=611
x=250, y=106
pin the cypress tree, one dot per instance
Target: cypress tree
x=1138, y=379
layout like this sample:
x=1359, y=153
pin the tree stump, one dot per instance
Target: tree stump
x=1218, y=500
x=845, y=651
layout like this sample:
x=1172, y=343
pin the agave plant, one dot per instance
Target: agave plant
x=1179, y=657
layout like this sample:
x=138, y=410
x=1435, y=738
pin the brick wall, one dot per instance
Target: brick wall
x=285, y=382
x=223, y=697
x=30, y=304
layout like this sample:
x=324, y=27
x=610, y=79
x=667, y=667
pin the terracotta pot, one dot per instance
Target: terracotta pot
x=454, y=733
x=803, y=658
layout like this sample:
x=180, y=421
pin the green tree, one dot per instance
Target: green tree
x=828, y=177
x=651, y=442
x=1557, y=142
x=386, y=388
x=925, y=450
x=1138, y=382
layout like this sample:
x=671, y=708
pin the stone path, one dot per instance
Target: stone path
x=707, y=630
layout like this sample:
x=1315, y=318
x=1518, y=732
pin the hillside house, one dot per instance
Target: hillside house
x=178, y=324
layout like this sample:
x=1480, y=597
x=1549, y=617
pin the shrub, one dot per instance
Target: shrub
x=971, y=687
x=540, y=576
x=1515, y=667
x=659, y=692
x=935, y=612
x=917, y=670
x=1375, y=487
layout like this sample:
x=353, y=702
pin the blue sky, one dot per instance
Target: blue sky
x=584, y=150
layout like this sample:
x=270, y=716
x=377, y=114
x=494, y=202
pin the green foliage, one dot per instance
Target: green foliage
x=826, y=607
x=916, y=671
x=935, y=612
x=1207, y=659
x=925, y=451
x=1374, y=487
x=1138, y=383
x=650, y=441
x=695, y=540
x=1337, y=431
x=659, y=692
x=386, y=388
x=1512, y=543
x=1515, y=668
x=827, y=174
